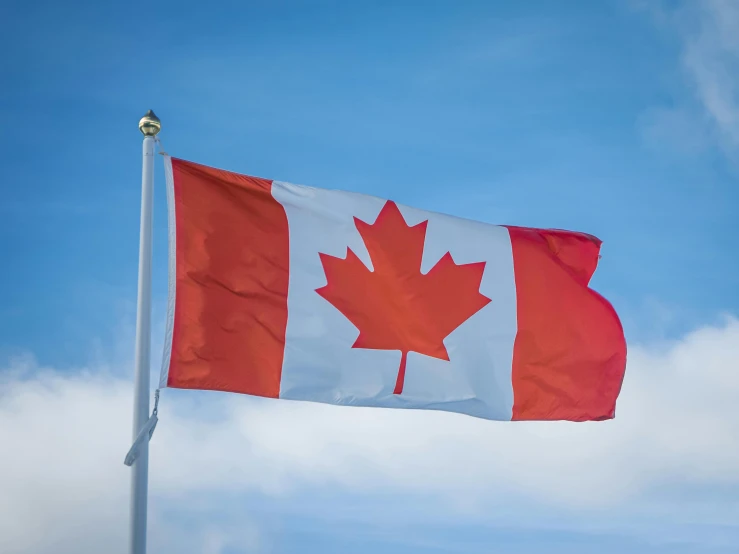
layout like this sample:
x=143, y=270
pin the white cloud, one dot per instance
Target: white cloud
x=709, y=36
x=712, y=59
x=64, y=487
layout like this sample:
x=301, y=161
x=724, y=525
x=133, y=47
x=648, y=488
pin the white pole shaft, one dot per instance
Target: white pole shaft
x=140, y=469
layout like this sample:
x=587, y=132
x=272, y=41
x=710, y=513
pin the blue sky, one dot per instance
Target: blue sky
x=619, y=119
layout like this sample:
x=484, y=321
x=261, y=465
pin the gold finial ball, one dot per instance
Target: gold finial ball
x=150, y=124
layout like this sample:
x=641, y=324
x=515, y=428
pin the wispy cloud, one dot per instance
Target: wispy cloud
x=676, y=426
x=712, y=59
x=679, y=129
x=708, y=32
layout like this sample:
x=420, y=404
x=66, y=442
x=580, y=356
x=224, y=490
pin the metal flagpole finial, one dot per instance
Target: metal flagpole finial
x=150, y=124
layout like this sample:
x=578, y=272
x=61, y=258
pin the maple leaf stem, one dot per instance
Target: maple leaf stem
x=401, y=374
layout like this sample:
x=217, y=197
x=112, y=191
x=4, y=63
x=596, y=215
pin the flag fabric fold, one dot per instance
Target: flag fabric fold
x=286, y=291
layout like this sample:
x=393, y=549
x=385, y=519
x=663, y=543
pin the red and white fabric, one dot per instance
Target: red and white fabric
x=302, y=293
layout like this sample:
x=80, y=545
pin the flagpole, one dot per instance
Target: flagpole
x=149, y=126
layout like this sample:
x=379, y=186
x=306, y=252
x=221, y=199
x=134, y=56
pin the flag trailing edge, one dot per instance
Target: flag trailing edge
x=295, y=292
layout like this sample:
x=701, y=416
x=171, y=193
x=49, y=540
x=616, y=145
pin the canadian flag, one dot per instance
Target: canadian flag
x=288, y=291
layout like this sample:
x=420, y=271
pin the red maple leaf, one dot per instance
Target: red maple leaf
x=396, y=307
